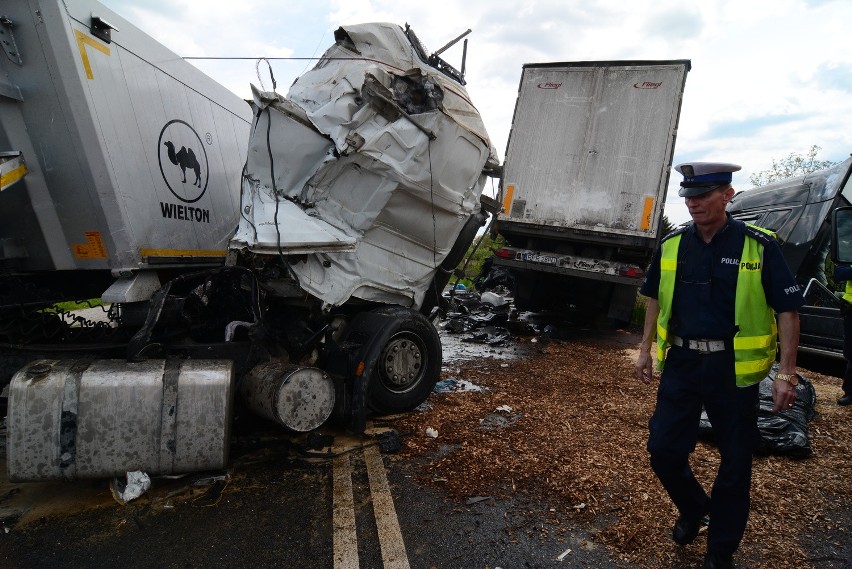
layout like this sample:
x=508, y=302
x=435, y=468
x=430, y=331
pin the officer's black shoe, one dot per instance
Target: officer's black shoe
x=685, y=531
x=718, y=561
x=845, y=400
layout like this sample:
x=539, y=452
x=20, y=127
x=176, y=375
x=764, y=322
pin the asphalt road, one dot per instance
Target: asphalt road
x=353, y=505
x=278, y=508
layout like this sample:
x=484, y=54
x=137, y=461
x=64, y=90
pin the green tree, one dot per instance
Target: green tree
x=666, y=226
x=481, y=249
x=794, y=164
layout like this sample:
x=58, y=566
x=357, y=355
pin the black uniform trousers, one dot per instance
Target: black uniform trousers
x=689, y=380
x=847, y=348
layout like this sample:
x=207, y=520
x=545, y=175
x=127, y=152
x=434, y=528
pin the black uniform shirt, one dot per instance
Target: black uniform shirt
x=706, y=281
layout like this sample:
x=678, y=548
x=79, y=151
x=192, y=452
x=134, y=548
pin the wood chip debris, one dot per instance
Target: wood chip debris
x=573, y=442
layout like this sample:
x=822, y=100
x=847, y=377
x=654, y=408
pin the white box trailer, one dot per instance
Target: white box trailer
x=125, y=156
x=585, y=176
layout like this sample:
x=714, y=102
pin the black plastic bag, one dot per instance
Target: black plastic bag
x=784, y=432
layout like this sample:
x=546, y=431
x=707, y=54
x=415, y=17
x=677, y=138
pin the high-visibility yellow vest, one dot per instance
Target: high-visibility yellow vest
x=847, y=295
x=755, y=342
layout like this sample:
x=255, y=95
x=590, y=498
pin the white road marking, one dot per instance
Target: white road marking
x=343, y=516
x=390, y=536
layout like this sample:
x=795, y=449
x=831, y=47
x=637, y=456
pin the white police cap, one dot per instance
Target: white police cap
x=701, y=177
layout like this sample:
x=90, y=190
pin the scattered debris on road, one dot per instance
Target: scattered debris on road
x=134, y=485
x=578, y=436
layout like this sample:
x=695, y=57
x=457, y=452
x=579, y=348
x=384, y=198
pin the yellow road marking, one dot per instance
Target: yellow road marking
x=390, y=536
x=343, y=516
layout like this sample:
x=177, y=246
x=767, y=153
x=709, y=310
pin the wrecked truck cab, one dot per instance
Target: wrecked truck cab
x=367, y=176
x=360, y=195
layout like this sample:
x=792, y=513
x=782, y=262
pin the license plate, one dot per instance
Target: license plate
x=536, y=258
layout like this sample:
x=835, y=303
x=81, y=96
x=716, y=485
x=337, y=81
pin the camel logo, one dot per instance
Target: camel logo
x=183, y=161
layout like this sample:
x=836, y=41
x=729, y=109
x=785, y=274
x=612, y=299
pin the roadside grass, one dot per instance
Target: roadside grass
x=70, y=305
x=471, y=265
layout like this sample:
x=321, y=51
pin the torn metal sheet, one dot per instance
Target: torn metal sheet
x=368, y=170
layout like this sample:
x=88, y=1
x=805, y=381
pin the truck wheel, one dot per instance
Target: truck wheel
x=409, y=365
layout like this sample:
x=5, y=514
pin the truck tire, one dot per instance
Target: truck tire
x=409, y=365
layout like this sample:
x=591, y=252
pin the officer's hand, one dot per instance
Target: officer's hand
x=644, y=367
x=783, y=395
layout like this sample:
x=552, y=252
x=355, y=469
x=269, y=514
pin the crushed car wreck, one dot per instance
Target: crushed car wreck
x=360, y=193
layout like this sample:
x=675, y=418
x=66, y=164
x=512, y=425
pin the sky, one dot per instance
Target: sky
x=769, y=77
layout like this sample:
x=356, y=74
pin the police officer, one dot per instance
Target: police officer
x=713, y=288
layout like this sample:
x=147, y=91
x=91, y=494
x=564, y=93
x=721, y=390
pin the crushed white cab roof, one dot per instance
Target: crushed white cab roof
x=364, y=175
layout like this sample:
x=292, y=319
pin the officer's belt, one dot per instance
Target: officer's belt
x=702, y=345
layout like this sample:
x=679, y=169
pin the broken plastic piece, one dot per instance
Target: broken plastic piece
x=137, y=483
x=451, y=384
x=493, y=299
x=477, y=499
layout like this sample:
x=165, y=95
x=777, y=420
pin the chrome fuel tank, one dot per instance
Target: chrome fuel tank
x=72, y=419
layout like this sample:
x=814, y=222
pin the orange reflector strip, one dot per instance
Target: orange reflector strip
x=359, y=371
x=507, y=199
x=93, y=248
x=646, y=214
x=180, y=253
